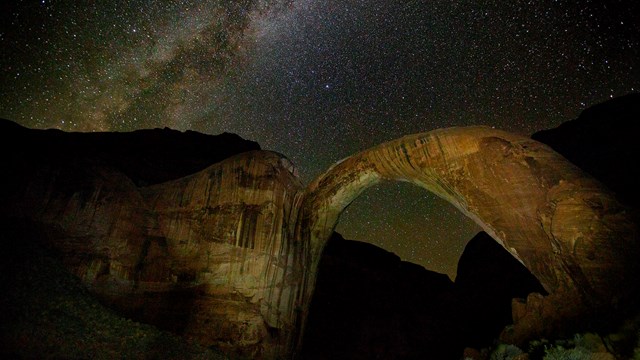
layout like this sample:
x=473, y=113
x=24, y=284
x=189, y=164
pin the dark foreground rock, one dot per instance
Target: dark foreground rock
x=370, y=305
x=487, y=280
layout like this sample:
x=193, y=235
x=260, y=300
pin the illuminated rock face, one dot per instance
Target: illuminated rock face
x=207, y=256
x=226, y=229
x=228, y=256
x=563, y=225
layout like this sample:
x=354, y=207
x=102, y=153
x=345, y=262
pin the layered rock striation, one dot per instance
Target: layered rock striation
x=565, y=227
x=225, y=230
x=206, y=256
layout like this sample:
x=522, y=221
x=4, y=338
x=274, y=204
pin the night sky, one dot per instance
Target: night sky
x=321, y=80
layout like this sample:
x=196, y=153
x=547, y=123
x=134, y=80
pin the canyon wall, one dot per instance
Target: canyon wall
x=205, y=255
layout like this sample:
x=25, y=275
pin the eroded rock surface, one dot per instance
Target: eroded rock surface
x=206, y=256
x=564, y=226
x=225, y=230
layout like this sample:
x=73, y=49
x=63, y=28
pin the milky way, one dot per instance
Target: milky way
x=320, y=80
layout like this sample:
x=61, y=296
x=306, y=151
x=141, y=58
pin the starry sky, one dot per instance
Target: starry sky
x=320, y=80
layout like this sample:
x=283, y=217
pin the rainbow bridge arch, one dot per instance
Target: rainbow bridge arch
x=564, y=226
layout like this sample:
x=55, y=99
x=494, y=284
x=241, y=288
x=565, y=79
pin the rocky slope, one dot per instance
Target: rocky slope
x=48, y=313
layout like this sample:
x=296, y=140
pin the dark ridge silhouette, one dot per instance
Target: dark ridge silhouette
x=145, y=156
x=603, y=141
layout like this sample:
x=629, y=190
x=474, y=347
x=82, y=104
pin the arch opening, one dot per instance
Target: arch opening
x=410, y=222
x=372, y=303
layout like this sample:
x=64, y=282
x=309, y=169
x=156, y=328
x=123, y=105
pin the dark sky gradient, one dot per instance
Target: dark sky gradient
x=320, y=80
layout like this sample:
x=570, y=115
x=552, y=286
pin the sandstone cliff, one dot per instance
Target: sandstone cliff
x=206, y=256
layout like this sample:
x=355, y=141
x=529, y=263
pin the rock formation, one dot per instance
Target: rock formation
x=564, y=226
x=47, y=313
x=224, y=231
x=204, y=255
x=228, y=255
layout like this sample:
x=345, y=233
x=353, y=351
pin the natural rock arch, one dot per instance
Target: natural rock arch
x=243, y=237
x=563, y=225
